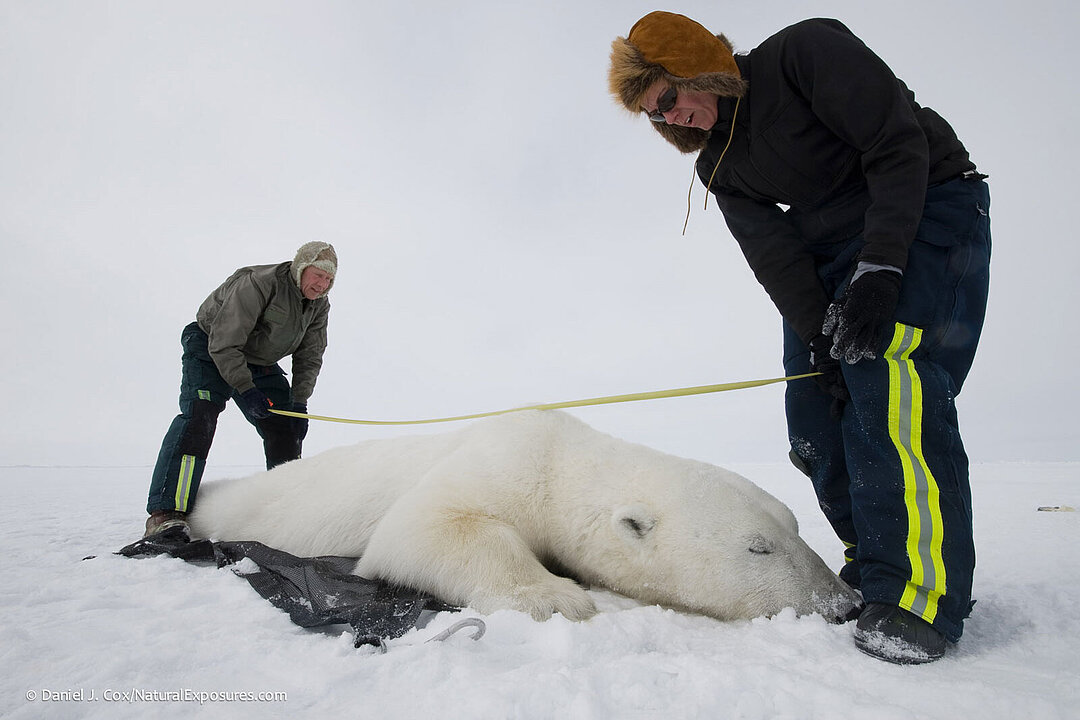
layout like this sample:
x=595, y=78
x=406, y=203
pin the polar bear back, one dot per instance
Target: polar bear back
x=331, y=502
x=327, y=504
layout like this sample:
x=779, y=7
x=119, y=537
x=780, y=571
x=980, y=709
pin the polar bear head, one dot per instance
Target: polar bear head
x=697, y=537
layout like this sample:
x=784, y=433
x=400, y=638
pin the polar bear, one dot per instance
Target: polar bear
x=503, y=513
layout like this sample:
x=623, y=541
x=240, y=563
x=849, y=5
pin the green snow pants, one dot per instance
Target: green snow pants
x=203, y=395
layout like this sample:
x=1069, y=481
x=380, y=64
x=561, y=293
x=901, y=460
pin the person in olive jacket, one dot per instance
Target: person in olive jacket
x=863, y=217
x=258, y=316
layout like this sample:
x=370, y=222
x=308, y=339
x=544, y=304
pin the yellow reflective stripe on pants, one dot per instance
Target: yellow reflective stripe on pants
x=921, y=494
x=183, y=482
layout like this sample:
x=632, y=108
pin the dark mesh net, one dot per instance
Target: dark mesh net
x=314, y=591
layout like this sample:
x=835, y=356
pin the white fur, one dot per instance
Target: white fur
x=477, y=516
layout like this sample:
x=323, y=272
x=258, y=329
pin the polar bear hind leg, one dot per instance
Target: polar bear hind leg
x=467, y=558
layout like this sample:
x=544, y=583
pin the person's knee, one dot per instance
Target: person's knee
x=280, y=441
x=199, y=433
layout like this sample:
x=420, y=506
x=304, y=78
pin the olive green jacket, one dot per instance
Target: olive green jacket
x=259, y=316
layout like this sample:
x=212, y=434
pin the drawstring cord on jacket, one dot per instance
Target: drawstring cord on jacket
x=715, y=167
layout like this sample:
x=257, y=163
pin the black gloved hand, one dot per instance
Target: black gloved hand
x=299, y=425
x=831, y=379
x=255, y=404
x=859, y=319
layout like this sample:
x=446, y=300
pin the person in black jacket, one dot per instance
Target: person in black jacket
x=862, y=215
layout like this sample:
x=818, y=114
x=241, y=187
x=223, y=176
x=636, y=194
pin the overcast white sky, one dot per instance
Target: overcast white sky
x=507, y=235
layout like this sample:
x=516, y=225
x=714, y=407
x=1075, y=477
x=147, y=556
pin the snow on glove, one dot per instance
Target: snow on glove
x=831, y=379
x=859, y=319
x=255, y=404
x=299, y=425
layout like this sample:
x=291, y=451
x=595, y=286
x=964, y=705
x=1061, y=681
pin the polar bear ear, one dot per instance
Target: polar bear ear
x=761, y=545
x=633, y=522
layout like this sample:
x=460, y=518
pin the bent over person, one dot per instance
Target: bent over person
x=258, y=316
x=863, y=217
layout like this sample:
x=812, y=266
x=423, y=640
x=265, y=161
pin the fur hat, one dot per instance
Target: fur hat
x=318, y=254
x=686, y=56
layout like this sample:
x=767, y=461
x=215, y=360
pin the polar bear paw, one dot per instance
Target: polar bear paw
x=554, y=595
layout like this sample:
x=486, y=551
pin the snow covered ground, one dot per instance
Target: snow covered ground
x=111, y=637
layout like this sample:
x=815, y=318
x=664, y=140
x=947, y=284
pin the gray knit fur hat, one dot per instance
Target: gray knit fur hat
x=320, y=254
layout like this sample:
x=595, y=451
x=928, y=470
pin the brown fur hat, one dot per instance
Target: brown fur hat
x=681, y=52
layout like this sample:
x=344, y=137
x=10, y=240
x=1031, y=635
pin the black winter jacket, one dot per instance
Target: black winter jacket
x=827, y=130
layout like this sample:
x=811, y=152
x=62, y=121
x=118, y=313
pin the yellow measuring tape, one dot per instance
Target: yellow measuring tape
x=632, y=397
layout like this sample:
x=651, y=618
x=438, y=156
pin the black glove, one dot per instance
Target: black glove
x=255, y=404
x=858, y=321
x=831, y=379
x=299, y=425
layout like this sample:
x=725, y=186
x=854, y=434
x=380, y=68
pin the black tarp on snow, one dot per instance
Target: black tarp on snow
x=314, y=591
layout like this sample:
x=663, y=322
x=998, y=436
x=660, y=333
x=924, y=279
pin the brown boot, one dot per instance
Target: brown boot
x=161, y=521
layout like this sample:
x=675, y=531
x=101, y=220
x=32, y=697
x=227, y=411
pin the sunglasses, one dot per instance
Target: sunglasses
x=664, y=104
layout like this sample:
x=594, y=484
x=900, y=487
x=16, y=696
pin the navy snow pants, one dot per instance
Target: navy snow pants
x=891, y=474
x=203, y=394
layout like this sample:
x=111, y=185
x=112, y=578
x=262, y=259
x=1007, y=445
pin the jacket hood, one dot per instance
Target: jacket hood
x=682, y=53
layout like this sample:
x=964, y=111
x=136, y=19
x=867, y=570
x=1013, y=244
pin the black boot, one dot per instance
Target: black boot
x=895, y=635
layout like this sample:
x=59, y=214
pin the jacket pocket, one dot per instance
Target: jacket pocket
x=274, y=317
x=951, y=215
